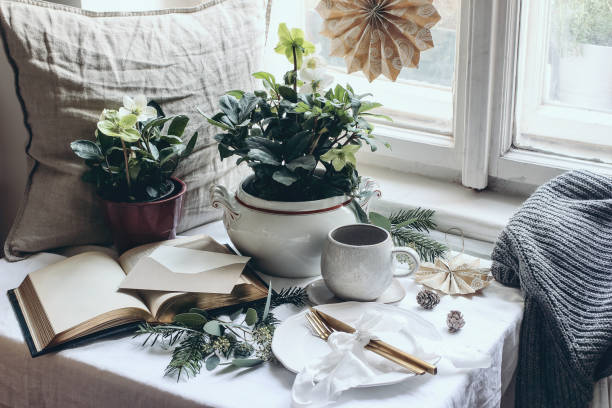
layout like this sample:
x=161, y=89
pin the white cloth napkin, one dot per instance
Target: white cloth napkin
x=347, y=365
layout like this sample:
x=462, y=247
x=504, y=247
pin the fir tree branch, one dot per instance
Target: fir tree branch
x=419, y=219
x=188, y=356
x=427, y=248
x=295, y=295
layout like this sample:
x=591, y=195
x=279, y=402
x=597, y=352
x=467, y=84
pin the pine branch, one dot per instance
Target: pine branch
x=419, y=219
x=188, y=356
x=295, y=295
x=427, y=248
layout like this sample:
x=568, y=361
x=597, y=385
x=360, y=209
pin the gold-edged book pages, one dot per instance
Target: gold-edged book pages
x=79, y=295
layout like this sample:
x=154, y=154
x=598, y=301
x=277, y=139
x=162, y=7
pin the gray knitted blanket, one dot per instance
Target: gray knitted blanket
x=558, y=249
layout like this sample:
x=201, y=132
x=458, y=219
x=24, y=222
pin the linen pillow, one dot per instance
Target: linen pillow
x=70, y=64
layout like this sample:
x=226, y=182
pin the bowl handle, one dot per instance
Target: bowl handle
x=220, y=197
x=368, y=188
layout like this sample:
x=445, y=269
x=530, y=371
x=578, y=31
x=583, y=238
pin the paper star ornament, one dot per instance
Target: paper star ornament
x=461, y=275
x=378, y=36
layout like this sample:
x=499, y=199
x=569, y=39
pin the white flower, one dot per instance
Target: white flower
x=137, y=106
x=314, y=75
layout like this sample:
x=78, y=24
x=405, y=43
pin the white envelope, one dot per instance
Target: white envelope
x=172, y=269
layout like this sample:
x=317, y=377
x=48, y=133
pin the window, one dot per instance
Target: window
x=565, y=82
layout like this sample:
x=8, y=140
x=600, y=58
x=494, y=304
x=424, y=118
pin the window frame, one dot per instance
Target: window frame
x=507, y=161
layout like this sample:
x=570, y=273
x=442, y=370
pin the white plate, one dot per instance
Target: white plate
x=294, y=345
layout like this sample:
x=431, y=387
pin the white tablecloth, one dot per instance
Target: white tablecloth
x=118, y=372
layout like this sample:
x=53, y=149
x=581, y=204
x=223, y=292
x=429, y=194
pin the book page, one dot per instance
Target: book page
x=80, y=288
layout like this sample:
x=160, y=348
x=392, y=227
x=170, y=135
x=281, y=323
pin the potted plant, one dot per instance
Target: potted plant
x=300, y=140
x=584, y=34
x=131, y=161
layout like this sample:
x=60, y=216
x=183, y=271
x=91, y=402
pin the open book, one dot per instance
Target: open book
x=79, y=296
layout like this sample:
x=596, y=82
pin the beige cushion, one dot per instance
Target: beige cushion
x=70, y=64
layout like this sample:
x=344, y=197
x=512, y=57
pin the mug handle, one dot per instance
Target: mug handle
x=416, y=260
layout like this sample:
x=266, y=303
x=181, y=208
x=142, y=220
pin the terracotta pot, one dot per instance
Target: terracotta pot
x=134, y=224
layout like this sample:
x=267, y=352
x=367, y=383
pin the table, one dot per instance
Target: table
x=117, y=372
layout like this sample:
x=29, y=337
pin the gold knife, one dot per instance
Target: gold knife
x=378, y=344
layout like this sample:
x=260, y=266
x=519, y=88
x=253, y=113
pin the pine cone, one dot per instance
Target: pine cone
x=454, y=321
x=427, y=299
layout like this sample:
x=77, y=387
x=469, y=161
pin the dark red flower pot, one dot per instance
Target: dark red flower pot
x=134, y=224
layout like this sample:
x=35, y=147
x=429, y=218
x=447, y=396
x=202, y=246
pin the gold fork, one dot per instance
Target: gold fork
x=323, y=331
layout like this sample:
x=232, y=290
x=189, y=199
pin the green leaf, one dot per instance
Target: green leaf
x=268, y=303
x=171, y=140
x=190, y=145
x=246, y=105
x=155, y=123
x=178, y=125
x=154, y=151
x=288, y=93
x=360, y=215
x=307, y=162
x=152, y=192
x=296, y=145
x=267, y=78
x=301, y=108
x=263, y=156
x=246, y=362
x=236, y=93
x=380, y=221
x=170, y=153
x=214, y=122
x=129, y=135
x=212, y=362
x=251, y=317
x=284, y=177
x=86, y=149
x=191, y=320
x=213, y=328
x=257, y=142
x=366, y=106
x=376, y=115
x=229, y=105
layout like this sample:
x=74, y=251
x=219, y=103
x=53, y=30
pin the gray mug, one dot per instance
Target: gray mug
x=357, y=261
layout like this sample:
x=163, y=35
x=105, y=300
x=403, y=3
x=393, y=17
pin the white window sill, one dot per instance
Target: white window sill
x=481, y=215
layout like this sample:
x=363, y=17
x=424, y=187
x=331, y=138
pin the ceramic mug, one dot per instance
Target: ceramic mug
x=358, y=261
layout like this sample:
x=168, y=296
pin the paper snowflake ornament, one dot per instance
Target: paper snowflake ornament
x=378, y=36
x=461, y=275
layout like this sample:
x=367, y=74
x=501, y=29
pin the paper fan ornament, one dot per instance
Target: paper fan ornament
x=461, y=275
x=378, y=36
